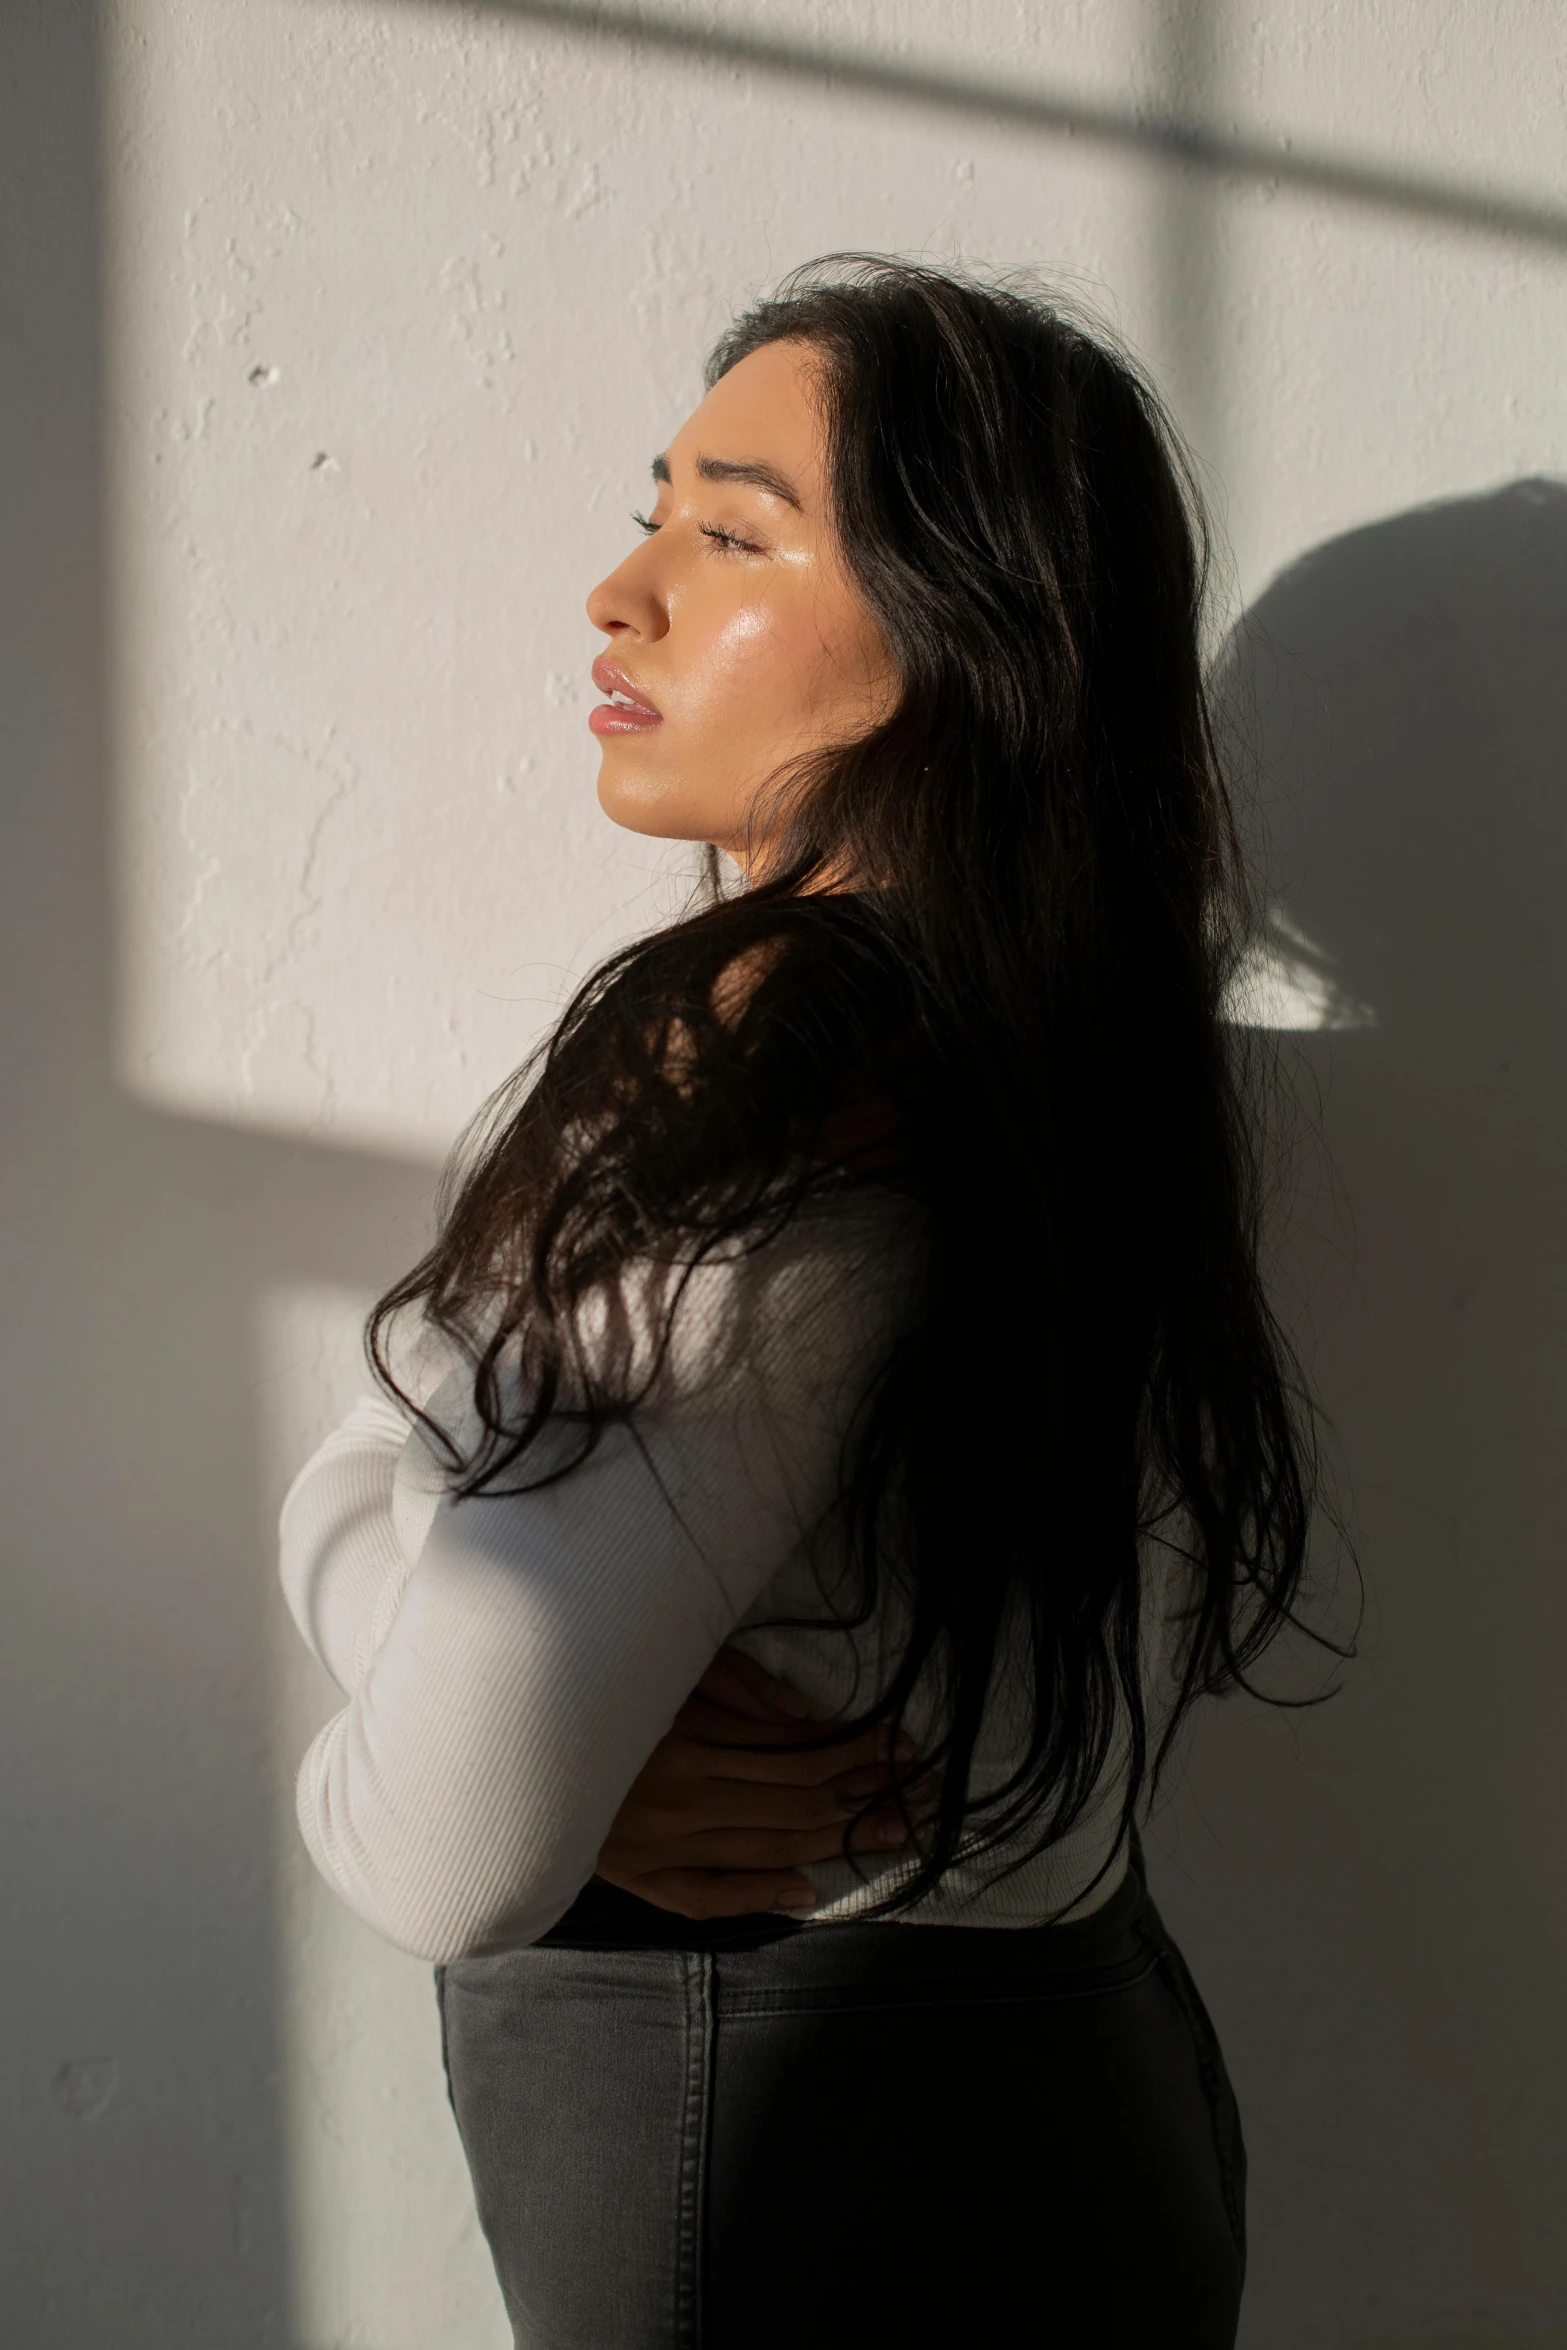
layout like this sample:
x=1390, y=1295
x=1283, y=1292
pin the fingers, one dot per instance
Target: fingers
x=759, y=1829
x=879, y=1833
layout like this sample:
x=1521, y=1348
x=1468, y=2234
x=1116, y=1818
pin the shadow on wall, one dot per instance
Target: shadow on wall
x=1372, y=1892
x=142, y=2173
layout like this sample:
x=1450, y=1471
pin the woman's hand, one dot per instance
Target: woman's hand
x=709, y=1831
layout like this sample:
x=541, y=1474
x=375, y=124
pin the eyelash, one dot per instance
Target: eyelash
x=727, y=539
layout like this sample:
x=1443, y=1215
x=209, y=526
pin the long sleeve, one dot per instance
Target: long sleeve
x=509, y=1681
x=339, y=1554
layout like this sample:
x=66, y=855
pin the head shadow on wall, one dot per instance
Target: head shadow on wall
x=1402, y=699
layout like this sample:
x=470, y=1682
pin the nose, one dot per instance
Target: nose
x=630, y=601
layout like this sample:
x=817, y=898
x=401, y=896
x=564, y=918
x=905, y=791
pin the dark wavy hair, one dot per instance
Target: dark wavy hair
x=1008, y=919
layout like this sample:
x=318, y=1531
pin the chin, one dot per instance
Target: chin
x=640, y=805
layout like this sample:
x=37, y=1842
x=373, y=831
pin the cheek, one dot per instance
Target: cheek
x=763, y=669
x=740, y=653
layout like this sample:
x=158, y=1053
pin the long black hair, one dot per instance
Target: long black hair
x=1008, y=921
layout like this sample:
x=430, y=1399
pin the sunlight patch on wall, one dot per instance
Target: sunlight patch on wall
x=1287, y=983
x=359, y=856
x=385, y=2248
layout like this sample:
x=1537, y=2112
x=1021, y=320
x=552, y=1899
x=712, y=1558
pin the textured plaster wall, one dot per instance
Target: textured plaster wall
x=401, y=303
x=337, y=338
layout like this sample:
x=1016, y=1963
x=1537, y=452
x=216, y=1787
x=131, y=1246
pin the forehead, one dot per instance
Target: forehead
x=765, y=408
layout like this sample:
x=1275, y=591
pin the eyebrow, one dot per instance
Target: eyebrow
x=749, y=469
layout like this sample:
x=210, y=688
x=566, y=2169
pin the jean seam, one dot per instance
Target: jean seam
x=1220, y=2100
x=696, y=2124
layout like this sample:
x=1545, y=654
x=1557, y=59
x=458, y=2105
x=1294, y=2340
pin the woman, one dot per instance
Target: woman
x=853, y=1393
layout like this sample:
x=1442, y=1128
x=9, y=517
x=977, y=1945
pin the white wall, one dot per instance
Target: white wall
x=338, y=337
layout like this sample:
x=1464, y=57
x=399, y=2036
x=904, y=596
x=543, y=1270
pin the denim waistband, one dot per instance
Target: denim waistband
x=605, y=1917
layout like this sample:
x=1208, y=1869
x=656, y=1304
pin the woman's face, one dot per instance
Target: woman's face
x=736, y=639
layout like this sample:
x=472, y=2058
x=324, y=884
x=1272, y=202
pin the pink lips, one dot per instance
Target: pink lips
x=628, y=711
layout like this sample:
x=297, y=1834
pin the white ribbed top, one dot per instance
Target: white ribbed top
x=511, y=1661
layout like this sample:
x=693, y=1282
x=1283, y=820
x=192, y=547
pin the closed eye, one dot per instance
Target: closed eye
x=730, y=540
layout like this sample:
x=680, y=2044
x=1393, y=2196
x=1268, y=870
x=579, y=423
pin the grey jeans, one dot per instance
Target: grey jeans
x=759, y=2133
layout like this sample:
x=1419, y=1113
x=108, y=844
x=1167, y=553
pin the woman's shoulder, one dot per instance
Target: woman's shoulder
x=782, y=1310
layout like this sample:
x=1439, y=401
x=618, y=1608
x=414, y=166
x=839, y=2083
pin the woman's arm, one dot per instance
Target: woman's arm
x=338, y=1547
x=545, y=1641
x=715, y=1825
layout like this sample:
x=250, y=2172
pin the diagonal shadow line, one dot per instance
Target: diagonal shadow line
x=1346, y=178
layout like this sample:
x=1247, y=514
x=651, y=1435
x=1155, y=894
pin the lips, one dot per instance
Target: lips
x=628, y=710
